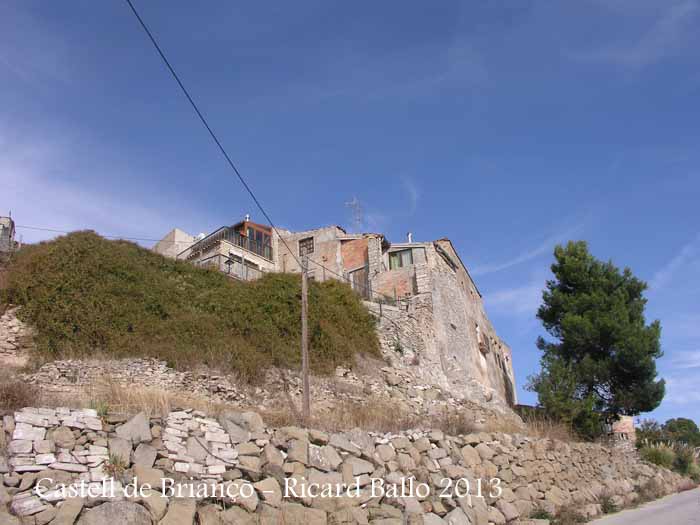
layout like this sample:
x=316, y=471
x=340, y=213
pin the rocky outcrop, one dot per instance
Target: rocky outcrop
x=233, y=468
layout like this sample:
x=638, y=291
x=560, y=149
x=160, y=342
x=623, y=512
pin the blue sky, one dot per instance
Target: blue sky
x=506, y=128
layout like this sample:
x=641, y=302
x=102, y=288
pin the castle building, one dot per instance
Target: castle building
x=7, y=235
x=431, y=313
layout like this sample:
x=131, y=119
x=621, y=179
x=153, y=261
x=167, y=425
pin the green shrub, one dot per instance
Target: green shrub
x=684, y=460
x=694, y=472
x=568, y=516
x=541, y=514
x=87, y=296
x=661, y=455
x=607, y=504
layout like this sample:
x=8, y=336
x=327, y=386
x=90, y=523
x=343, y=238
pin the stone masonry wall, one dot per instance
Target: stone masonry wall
x=191, y=468
x=398, y=384
x=433, y=334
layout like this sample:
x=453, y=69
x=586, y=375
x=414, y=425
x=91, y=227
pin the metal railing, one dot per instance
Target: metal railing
x=242, y=271
x=232, y=236
x=235, y=269
x=235, y=238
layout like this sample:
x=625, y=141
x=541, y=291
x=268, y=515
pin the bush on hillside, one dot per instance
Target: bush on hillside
x=684, y=460
x=694, y=472
x=658, y=455
x=89, y=296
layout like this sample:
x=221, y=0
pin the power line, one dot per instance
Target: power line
x=207, y=126
x=144, y=239
x=225, y=154
x=364, y=288
x=191, y=243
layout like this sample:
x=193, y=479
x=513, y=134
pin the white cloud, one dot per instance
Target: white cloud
x=37, y=176
x=413, y=195
x=668, y=35
x=29, y=51
x=686, y=360
x=545, y=247
x=516, y=301
x=666, y=274
x=682, y=389
x=681, y=328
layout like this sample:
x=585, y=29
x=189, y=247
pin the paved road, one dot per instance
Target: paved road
x=678, y=509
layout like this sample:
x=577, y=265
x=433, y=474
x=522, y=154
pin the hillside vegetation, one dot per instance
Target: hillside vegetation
x=87, y=296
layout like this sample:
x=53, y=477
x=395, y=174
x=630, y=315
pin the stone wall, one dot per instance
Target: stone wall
x=372, y=381
x=175, y=242
x=15, y=340
x=235, y=469
x=326, y=252
x=436, y=333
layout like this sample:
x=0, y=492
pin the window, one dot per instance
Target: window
x=306, y=246
x=400, y=259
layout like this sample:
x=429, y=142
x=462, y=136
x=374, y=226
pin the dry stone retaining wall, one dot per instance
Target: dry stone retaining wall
x=234, y=469
x=402, y=385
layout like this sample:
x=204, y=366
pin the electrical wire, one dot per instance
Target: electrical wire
x=228, y=158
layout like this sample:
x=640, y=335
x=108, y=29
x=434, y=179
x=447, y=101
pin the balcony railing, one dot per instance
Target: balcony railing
x=263, y=250
x=235, y=238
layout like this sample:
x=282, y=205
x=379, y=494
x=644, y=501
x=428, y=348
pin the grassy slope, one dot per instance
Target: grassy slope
x=85, y=294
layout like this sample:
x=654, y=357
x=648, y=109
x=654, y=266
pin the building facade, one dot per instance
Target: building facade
x=7, y=235
x=431, y=313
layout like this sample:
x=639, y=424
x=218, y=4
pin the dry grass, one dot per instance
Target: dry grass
x=16, y=394
x=650, y=491
x=377, y=415
x=382, y=415
x=568, y=516
x=607, y=503
x=546, y=428
x=122, y=399
x=3, y=441
x=115, y=398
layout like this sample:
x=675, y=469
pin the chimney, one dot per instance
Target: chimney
x=409, y=237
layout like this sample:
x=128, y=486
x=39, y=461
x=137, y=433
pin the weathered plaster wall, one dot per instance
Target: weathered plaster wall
x=173, y=243
x=436, y=330
x=354, y=253
x=326, y=252
x=395, y=284
x=459, y=309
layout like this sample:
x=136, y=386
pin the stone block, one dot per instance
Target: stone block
x=144, y=455
x=27, y=432
x=136, y=430
x=121, y=448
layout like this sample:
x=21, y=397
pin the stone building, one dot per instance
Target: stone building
x=7, y=235
x=174, y=242
x=623, y=428
x=431, y=314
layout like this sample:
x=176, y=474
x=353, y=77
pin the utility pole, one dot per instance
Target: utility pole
x=306, y=397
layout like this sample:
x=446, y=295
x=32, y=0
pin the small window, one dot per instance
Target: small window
x=400, y=259
x=306, y=246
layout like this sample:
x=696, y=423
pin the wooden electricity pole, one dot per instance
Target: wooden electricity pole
x=306, y=398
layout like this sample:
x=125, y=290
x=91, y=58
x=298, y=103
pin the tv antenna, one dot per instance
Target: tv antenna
x=357, y=214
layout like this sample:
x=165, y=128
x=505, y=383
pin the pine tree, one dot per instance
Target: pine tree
x=602, y=361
